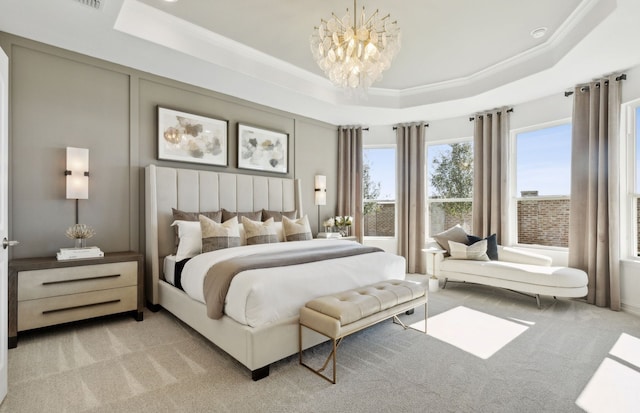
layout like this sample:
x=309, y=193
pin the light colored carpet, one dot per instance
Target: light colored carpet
x=529, y=360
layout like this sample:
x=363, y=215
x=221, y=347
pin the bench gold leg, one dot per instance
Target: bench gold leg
x=330, y=357
x=396, y=320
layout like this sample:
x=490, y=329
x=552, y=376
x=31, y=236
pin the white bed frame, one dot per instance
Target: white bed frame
x=193, y=190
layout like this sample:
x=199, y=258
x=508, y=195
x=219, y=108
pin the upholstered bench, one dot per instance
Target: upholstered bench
x=338, y=315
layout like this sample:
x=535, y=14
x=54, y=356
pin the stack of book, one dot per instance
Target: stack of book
x=79, y=253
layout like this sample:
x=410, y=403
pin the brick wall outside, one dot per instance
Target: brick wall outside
x=544, y=222
x=540, y=221
x=381, y=223
x=439, y=220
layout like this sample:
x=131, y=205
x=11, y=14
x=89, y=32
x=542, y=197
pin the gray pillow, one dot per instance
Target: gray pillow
x=277, y=215
x=254, y=216
x=179, y=215
x=455, y=234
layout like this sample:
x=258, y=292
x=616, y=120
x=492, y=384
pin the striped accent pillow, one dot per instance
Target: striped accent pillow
x=259, y=232
x=218, y=236
x=476, y=252
x=296, y=230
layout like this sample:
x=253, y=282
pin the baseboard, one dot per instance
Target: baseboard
x=633, y=309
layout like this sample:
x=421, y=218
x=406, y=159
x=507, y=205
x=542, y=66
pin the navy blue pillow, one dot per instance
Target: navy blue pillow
x=492, y=245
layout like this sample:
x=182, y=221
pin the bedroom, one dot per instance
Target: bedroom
x=56, y=94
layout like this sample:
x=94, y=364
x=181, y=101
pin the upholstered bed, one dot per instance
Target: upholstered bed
x=255, y=338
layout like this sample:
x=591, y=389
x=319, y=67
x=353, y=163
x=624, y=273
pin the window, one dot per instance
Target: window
x=543, y=182
x=379, y=191
x=450, y=191
x=636, y=178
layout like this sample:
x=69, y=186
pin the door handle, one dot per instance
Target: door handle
x=6, y=243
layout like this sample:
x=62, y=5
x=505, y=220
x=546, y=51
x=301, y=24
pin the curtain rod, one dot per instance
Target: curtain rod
x=619, y=78
x=472, y=118
x=396, y=128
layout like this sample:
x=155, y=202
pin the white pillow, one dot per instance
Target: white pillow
x=190, y=239
x=477, y=251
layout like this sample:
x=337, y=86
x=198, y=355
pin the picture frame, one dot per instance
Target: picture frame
x=262, y=149
x=187, y=137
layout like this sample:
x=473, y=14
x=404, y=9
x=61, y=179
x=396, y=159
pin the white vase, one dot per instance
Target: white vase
x=434, y=285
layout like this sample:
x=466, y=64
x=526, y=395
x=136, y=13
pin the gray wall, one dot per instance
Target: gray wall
x=60, y=98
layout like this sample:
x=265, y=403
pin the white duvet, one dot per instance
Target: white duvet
x=262, y=296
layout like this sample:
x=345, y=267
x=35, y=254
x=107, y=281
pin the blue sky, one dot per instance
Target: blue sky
x=383, y=170
x=543, y=161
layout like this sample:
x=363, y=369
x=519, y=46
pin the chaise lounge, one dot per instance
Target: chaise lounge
x=515, y=270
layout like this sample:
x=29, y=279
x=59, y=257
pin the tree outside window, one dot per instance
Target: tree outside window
x=379, y=191
x=450, y=186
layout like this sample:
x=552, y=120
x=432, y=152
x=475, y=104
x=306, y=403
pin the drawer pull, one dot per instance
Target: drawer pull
x=80, y=306
x=99, y=277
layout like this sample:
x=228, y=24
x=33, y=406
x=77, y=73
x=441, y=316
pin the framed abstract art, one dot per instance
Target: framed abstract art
x=193, y=138
x=262, y=149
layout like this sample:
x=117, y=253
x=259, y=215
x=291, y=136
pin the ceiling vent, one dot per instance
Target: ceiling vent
x=96, y=4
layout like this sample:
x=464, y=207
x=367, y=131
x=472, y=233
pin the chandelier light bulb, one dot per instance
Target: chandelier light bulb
x=354, y=55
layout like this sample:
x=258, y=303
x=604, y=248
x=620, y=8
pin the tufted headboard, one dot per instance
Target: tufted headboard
x=194, y=190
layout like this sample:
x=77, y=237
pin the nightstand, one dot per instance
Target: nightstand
x=45, y=292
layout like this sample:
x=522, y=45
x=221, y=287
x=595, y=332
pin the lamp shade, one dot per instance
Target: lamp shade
x=320, y=190
x=77, y=173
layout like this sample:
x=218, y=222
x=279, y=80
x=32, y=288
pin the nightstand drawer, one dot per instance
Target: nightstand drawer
x=62, y=281
x=55, y=310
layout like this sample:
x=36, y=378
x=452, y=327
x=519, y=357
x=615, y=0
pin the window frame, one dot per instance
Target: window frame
x=395, y=200
x=631, y=193
x=514, y=197
x=429, y=200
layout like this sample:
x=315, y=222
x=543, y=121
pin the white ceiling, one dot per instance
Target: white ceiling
x=457, y=56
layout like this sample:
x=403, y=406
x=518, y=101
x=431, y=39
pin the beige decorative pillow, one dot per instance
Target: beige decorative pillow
x=259, y=232
x=477, y=251
x=296, y=230
x=218, y=236
x=179, y=215
x=456, y=234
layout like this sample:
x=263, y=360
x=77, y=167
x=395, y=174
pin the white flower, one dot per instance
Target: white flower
x=329, y=222
x=343, y=221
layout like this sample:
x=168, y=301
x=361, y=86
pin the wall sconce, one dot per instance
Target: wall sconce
x=77, y=175
x=320, y=184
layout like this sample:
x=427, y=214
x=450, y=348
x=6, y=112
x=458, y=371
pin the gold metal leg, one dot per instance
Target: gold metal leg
x=396, y=320
x=330, y=357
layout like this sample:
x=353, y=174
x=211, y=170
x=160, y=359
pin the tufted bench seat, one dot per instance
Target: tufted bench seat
x=338, y=315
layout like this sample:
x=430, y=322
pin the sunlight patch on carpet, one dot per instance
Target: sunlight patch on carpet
x=473, y=331
x=627, y=348
x=614, y=386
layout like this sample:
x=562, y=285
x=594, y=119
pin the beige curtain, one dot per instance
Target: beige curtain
x=594, y=223
x=350, y=177
x=490, y=174
x=411, y=194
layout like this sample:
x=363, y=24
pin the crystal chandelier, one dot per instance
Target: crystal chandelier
x=354, y=56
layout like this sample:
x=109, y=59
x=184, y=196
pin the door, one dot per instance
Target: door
x=4, y=230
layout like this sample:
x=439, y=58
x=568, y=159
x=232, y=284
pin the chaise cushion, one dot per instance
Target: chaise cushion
x=549, y=276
